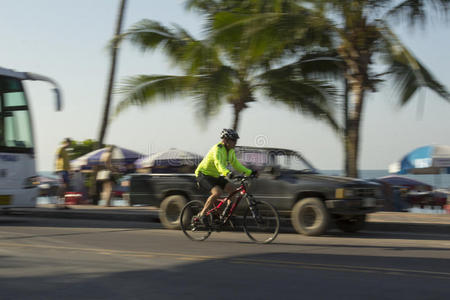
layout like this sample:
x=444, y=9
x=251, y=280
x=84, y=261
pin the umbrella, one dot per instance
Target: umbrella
x=170, y=158
x=432, y=159
x=119, y=156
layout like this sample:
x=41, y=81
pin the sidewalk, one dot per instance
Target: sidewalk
x=380, y=221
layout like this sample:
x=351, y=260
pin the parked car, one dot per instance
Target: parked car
x=287, y=180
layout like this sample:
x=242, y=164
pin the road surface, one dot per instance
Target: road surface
x=87, y=259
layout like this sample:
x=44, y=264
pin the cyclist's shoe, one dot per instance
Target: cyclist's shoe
x=201, y=220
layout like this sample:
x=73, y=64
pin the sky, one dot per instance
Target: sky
x=66, y=40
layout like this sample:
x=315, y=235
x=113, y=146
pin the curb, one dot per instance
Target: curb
x=137, y=216
x=408, y=227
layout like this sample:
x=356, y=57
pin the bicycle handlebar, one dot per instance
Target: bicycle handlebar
x=243, y=178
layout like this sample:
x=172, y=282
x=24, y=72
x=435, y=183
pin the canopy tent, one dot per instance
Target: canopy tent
x=171, y=158
x=120, y=156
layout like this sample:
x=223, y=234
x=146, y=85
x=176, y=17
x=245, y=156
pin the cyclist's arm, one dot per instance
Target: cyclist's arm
x=238, y=166
x=220, y=162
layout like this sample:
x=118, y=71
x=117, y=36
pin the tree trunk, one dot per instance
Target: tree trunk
x=354, y=120
x=112, y=72
x=236, y=117
x=346, y=103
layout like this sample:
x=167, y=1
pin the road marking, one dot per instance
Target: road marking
x=113, y=252
x=248, y=261
x=347, y=268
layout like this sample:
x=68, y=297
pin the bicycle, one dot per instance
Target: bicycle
x=261, y=222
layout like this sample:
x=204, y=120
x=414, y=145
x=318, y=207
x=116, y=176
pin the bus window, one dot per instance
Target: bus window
x=15, y=124
x=18, y=130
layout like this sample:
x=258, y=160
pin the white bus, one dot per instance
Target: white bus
x=18, y=177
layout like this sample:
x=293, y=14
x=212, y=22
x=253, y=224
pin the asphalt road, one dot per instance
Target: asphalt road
x=44, y=258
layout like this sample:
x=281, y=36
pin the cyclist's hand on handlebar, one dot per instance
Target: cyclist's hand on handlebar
x=254, y=173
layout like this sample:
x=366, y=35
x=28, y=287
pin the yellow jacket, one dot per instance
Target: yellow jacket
x=216, y=161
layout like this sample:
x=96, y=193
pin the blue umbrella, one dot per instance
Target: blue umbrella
x=432, y=159
x=120, y=156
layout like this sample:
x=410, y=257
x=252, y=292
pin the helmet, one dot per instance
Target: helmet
x=229, y=134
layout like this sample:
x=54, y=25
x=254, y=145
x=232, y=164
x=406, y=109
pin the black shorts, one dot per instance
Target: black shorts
x=208, y=182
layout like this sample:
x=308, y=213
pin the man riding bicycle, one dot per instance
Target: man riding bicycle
x=212, y=172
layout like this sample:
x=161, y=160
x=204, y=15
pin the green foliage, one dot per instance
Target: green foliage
x=80, y=148
x=230, y=65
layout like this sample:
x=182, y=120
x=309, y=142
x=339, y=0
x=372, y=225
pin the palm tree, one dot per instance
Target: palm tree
x=112, y=72
x=363, y=34
x=217, y=71
x=363, y=39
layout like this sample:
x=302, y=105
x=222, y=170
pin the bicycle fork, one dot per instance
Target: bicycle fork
x=253, y=209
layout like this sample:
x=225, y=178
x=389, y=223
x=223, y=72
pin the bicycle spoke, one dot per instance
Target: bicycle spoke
x=261, y=223
x=191, y=226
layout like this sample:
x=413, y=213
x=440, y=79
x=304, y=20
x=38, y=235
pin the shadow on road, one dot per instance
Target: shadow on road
x=265, y=276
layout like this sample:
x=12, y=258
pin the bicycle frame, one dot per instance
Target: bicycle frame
x=260, y=221
x=241, y=190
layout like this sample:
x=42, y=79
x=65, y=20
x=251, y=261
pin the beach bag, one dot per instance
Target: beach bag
x=103, y=175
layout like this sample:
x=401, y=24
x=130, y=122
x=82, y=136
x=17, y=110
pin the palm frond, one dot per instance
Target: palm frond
x=210, y=90
x=310, y=97
x=417, y=11
x=146, y=89
x=321, y=64
x=409, y=73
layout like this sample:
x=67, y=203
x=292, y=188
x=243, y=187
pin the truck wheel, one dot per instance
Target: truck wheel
x=352, y=224
x=170, y=209
x=309, y=216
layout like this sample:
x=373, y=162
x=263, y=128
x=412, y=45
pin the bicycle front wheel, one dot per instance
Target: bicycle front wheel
x=261, y=222
x=191, y=226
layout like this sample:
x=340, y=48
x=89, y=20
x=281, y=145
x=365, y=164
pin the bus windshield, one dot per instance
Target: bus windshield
x=15, y=124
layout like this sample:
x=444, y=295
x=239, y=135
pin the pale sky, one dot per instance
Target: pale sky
x=66, y=40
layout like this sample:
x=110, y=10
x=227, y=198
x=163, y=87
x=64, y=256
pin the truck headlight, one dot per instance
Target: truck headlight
x=342, y=193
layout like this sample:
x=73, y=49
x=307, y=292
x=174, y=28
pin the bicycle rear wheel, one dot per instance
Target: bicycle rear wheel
x=193, y=228
x=261, y=222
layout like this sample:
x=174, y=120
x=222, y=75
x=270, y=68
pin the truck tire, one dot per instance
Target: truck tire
x=309, y=216
x=170, y=209
x=351, y=224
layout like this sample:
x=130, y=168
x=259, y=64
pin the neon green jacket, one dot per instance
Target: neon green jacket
x=216, y=161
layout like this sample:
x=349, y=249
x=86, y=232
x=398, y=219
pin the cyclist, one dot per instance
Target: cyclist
x=212, y=172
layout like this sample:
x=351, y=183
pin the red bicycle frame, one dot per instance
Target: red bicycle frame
x=221, y=201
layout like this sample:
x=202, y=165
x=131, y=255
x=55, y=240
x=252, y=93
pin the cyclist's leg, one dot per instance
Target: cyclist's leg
x=229, y=188
x=216, y=191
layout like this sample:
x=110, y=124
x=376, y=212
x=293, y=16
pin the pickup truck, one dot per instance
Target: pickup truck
x=287, y=180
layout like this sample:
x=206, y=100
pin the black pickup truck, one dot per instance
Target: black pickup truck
x=287, y=180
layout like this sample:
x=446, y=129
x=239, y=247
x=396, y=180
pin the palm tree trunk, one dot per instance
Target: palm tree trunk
x=112, y=72
x=346, y=103
x=236, y=117
x=352, y=137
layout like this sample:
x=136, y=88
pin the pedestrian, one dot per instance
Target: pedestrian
x=104, y=175
x=62, y=169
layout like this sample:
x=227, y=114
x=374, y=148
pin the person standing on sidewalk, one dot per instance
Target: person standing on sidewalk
x=62, y=168
x=104, y=175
